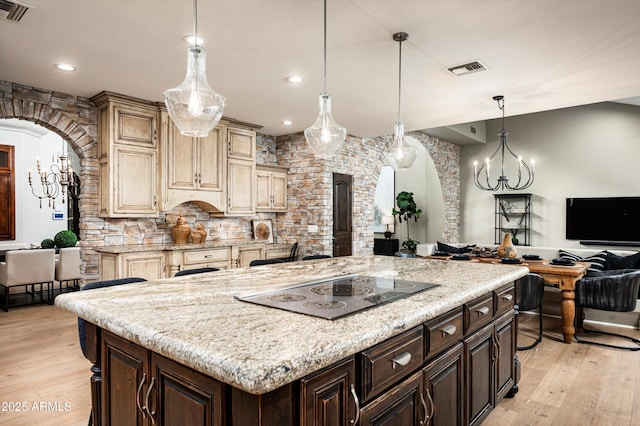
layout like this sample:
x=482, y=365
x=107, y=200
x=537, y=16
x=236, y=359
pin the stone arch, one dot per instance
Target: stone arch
x=74, y=119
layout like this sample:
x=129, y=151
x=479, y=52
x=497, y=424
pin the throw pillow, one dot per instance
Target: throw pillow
x=615, y=261
x=597, y=260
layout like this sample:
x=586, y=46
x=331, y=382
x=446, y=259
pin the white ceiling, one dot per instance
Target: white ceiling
x=542, y=55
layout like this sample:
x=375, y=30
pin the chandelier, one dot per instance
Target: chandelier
x=194, y=106
x=482, y=174
x=399, y=155
x=57, y=181
x=325, y=136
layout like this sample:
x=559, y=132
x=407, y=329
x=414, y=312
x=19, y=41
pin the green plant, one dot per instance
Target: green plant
x=47, y=243
x=65, y=238
x=407, y=209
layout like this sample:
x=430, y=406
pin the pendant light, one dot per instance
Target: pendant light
x=502, y=182
x=325, y=136
x=399, y=155
x=194, y=106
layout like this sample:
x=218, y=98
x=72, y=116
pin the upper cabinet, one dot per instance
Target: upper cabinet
x=271, y=189
x=148, y=166
x=127, y=156
x=194, y=169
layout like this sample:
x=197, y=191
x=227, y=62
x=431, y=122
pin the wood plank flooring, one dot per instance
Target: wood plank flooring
x=41, y=366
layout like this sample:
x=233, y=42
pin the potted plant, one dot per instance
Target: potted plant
x=407, y=209
x=65, y=238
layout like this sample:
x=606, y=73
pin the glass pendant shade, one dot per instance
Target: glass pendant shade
x=194, y=106
x=325, y=136
x=400, y=156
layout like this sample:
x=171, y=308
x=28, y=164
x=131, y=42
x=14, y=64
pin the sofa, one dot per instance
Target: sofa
x=612, y=259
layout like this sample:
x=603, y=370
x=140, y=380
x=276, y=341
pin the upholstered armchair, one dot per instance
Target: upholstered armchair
x=27, y=268
x=68, y=266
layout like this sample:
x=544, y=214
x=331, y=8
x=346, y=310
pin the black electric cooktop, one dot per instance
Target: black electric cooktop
x=336, y=297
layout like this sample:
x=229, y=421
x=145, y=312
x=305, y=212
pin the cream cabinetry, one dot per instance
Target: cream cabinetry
x=241, y=172
x=127, y=156
x=149, y=265
x=194, y=169
x=271, y=189
x=241, y=256
x=216, y=257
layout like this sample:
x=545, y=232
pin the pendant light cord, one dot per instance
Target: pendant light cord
x=324, y=72
x=399, y=78
x=195, y=22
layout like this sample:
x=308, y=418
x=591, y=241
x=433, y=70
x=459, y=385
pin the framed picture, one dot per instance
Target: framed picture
x=262, y=230
x=385, y=199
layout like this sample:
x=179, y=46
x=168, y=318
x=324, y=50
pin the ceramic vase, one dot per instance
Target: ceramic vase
x=507, y=249
x=181, y=231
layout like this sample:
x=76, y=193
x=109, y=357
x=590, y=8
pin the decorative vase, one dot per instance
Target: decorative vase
x=181, y=231
x=196, y=237
x=203, y=232
x=507, y=249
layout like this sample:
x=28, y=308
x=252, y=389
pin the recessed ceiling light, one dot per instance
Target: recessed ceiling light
x=294, y=79
x=65, y=67
x=287, y=122
x=189, y=39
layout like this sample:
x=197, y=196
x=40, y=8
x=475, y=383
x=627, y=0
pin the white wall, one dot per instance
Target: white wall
x=422, y=179
x=33, y=224
x=587, y=151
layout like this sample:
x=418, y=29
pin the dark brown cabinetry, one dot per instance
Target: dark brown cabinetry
x=451, y=370
x=143, y=388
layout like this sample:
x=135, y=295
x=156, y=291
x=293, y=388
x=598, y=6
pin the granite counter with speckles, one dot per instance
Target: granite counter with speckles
x=196, y=321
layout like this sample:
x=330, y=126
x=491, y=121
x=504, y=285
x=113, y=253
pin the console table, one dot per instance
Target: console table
x=385, y=247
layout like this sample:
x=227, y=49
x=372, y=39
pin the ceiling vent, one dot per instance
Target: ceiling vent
x=467, y=68
x=12, y=11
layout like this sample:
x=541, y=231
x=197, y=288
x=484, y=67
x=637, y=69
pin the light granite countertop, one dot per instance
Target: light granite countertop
x=196, y=321
x=138, y=248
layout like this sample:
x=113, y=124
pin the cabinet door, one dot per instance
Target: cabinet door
x=505, y=335
x=184, y=397
x=279, y=191
x=135, y=126
x=403, y=405
x=263, y=191
x=147, y=265
x=181, y=154
x=241, y=144
x=243, y=255
x=241, y=187
x=135, y=182
x=444, y=387
x=210, y=159
x=326, y=397
x=480, y=387
x=124, y=380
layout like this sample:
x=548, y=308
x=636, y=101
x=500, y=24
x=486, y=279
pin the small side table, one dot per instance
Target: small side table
x=385, y=247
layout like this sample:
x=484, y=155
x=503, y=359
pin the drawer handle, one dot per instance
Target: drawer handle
x=144, y=379
x=402, y=359
x=507, y=297
x=357, y=402
x=208, y=256
x=483, y=311
x=449, y=330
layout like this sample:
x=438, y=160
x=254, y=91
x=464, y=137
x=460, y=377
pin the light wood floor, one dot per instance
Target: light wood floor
x=41, y=365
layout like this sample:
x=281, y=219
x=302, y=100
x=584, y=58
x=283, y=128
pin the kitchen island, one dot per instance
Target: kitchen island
x=268, y=366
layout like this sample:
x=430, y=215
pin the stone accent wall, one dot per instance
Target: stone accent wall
x=310, y=182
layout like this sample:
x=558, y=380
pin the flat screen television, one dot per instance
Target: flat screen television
x=606, y=219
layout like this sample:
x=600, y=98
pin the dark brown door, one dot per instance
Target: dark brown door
x=444, y=387
x=342, y=198
x=7, y=194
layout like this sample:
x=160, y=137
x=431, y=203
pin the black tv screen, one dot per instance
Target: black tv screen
x=615, y=219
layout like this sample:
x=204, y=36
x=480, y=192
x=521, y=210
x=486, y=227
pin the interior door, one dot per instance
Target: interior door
x=342, y=208
x=7, y=194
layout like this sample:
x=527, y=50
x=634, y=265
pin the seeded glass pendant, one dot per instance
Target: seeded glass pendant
x=194, y=106
x=325, y=136
x=399, y=155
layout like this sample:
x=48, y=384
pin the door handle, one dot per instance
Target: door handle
x=146, y=401
x=141, y=408
x=357, y=402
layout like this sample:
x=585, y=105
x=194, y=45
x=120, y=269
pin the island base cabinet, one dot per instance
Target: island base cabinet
x=444, y=388
x=140, y=387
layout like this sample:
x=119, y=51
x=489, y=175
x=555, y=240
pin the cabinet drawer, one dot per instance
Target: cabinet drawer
x=390, y=361
x=505, y=298
x=443, y=331
x=479, y=312
x=206, y=256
